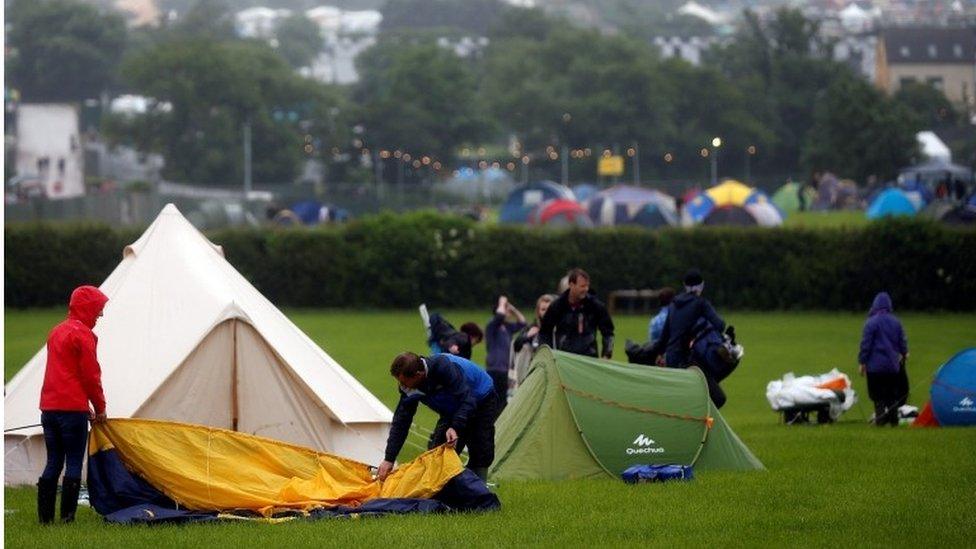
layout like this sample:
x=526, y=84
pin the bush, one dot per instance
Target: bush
x=402, y=260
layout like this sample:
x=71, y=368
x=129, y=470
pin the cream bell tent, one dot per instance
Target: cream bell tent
x=185, y=337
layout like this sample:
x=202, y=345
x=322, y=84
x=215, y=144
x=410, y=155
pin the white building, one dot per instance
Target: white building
x=258, y=22
x=688, y=48
x=49, y=147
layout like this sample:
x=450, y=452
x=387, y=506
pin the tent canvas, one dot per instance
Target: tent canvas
x=186, y=337
x=891, y=202
x=523, y=200
x=953, y=393
x=577, y=417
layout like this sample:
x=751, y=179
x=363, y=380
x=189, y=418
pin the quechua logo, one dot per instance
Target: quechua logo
x=644, y=445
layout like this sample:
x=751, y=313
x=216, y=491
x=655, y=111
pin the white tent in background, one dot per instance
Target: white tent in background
x=185, y=337
x=694, y=9
x=932, y=147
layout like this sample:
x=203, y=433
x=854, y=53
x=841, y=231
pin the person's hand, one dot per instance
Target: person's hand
x=453, y=349
x=659, y=360
x=862, y=370
x=532, y=331
x=452, y=437
x=383, y=470
x=99, y=418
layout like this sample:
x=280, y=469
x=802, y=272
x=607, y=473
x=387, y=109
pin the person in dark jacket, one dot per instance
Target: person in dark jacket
x=884, y=349
x=442, y=337
x=574, y=317
x=72, y=380
x=498, y=340
x=682, y=324
x=460, y=392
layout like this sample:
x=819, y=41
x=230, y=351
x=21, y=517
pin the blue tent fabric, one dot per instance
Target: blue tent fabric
x=148, y=513
x=307, y=211
x=584, y=191
x=699, y=207
x=523, y=200
x=953, y=393
x=891, y=202
x=112, y=487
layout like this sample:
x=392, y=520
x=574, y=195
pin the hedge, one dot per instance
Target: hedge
x=401, y=260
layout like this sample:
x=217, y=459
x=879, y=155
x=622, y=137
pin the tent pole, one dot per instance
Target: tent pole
x=233, y=381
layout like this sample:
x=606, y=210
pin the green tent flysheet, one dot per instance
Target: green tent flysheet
x=578, y=417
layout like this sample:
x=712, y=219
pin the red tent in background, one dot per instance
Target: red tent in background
x=561, y=213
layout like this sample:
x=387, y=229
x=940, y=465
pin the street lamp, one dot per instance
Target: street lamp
x=750, y=152
x=716, y=143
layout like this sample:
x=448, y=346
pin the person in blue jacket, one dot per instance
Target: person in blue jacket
x=656, y=324
x=460, y=391
x=884, y=349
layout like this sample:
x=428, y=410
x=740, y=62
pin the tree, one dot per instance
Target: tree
x=577, y=88
x=417, y=96
x=299, y=40
x=858, y=132
x=785, y=67
x=472, y=16
x=706, y=104
x=212, y=89
x=63, y=50
x=929, y=105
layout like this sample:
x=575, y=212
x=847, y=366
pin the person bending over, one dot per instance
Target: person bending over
x=461, y=393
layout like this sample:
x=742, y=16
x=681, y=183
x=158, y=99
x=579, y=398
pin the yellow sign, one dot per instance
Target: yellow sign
x=611, y=166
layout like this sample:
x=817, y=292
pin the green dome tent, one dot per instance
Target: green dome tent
x=787, y=197
x=577, y=417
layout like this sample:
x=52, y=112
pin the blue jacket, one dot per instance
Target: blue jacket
x=656, y=325
x=498, y=341
x=680, y=330
x=883, y=342
x=453, y=388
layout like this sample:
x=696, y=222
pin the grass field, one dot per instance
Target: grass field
x=843, y=484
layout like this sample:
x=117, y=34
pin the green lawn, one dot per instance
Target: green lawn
x=832, y=218
x=841, y=484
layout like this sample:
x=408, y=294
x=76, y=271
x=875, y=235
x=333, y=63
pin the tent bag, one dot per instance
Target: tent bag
x=637, y=474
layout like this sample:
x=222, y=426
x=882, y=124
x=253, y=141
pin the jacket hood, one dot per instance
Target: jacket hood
x=683, y=299
x=882, y=304
x=86, y=304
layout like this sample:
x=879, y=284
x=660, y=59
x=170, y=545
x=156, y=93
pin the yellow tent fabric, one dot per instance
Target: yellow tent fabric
x=729, y=193
x=207, y=469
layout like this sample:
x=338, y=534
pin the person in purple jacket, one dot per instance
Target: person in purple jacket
x=498, y=340
x=884, y=349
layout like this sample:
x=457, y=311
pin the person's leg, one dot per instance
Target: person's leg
x=481, y=436
x=500, y=380
x=75, y=429
x=47, y=484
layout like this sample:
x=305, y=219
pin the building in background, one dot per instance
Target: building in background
x=942, y=57
x=48, y=148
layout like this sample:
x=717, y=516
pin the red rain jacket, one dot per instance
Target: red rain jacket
x=72, y=376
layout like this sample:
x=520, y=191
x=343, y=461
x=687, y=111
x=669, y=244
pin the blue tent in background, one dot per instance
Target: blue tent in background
x=891, y=202
x=953, y=390
x=307, y=211
x=524, y=199
x=584, y=191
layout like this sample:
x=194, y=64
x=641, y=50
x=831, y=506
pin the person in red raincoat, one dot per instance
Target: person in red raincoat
x=72, y=380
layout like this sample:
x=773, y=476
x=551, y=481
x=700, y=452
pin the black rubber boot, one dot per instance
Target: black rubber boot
x=69, y=498
x=47, y=495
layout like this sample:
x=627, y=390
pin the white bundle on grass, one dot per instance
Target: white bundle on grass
x=833, y=388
